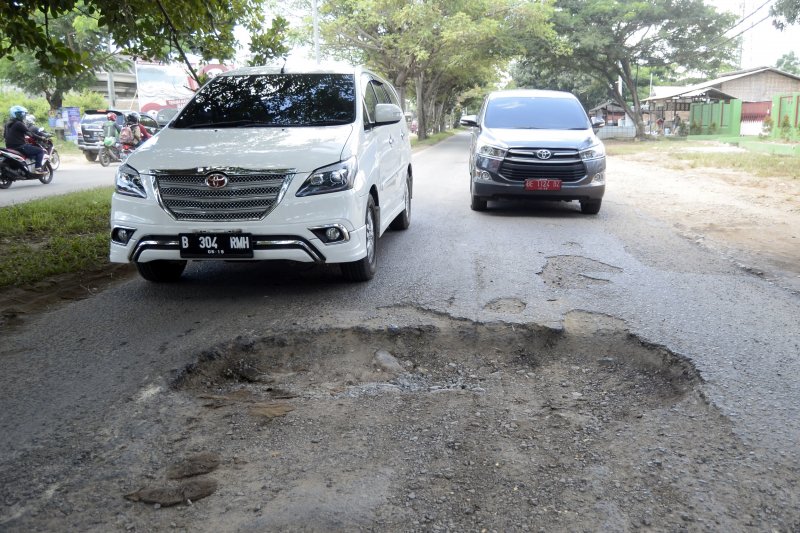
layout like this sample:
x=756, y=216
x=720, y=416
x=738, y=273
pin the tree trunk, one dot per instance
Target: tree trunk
x=422, y=128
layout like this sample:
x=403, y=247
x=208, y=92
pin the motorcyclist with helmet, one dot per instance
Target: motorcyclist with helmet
x=15, y=132
x=140, y=133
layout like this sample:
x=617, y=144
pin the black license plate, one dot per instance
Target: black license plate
x=216, y=245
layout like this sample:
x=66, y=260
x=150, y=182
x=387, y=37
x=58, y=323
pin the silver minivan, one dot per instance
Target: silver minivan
x=537, y=145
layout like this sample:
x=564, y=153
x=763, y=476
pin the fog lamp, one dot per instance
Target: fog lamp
x=486, y=176
x=122, y=235
x=599, y=178
x=333, y=234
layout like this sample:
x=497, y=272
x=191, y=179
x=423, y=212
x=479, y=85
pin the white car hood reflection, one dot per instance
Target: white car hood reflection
x=303, y=149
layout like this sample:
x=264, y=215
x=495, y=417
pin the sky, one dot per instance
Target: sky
x=763, y=44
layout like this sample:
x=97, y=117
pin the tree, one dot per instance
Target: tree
x=609, y=40
x=441, y=46
x=786, y=12
x=157, y=30
x=789, y=63
x=81, y=35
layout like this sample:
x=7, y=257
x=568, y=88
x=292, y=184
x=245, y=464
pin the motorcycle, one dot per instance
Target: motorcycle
x=113, y=151
x=14, y=166
x=45, y=142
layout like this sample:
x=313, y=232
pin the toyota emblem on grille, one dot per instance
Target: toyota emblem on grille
x=217, y=180
x=544, y=154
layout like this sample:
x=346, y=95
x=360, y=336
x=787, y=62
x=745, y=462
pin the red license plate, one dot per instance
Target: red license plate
x=542, y=185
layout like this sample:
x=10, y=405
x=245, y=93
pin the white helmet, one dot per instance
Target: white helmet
x=30, y=120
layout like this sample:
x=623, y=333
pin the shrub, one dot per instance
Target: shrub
x=712, y=129
x=786, y=128
x=695, y=128
x=766, y=126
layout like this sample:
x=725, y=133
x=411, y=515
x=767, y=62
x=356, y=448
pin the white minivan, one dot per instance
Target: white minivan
x=302, y=164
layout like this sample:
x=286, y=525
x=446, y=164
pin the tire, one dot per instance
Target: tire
x=477, y=203
x=104, y=157
x=364, y=269
x=590, y=207
x=47, y=178
x=161, y=271
x=403, y=220
x=5, y=182
x=90, y=156
x=55, y=160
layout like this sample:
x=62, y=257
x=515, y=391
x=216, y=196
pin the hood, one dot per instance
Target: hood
x=302, y=149
x=521, y=138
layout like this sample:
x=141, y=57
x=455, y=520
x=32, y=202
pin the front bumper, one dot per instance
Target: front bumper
x=488, y=184
x=286, y=233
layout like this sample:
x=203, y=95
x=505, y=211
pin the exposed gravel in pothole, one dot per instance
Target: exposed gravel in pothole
x=445, y=425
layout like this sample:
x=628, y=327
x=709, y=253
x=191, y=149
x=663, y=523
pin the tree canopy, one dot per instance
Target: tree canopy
x=786, y=12
x=440, y=47
x=611, y=39
x=157, y=30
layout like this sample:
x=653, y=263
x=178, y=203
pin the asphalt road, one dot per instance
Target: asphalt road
x=63, y=370
x=74, y=174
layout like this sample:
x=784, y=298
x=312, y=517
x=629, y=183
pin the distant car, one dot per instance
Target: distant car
x=538, y=145
x=91, y=129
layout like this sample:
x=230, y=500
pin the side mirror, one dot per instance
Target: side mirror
x=597, y=123
x=388, y=114
x=469, y=120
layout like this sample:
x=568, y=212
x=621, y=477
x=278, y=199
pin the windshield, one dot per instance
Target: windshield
x=272, y=100
x=530, y=112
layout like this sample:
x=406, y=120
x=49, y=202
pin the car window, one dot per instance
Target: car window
x=93, y=120
x=381, y=93
x=535, y=113
x=370, y=101
x=271, y=100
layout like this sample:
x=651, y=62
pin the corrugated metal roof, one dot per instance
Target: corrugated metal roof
x=699, y=88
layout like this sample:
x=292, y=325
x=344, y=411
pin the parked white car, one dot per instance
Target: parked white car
x=303, y=164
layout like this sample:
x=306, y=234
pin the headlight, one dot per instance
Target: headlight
x=598, y=151
x=333, y=178
x=129, y=182
x=491, y=151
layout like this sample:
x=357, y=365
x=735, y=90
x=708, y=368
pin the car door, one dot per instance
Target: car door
x=392, y=137
x=376, y=147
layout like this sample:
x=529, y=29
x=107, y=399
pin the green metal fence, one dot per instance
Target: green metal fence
x=720, y=118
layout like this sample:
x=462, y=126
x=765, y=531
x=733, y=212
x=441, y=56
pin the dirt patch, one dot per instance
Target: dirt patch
x=18, y=303
x=754, y=221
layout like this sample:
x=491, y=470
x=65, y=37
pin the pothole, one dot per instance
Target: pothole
x=458, y=425
x=594, y=361
x=575, y=272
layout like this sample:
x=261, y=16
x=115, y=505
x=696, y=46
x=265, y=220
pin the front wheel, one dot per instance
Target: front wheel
x=590, y=207
x=47, y=178
x=104, y=157
x=364, y=269
x=90, y=156
x=5, y=181
x=55, y=160
x=161, y=271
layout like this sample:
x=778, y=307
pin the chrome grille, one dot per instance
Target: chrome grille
x=247, y=195
x=521, y=164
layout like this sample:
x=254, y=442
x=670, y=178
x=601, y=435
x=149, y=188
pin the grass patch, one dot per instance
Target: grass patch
x=698, y=154
x=66, y=147
x=432, y=139
x=54, y=235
